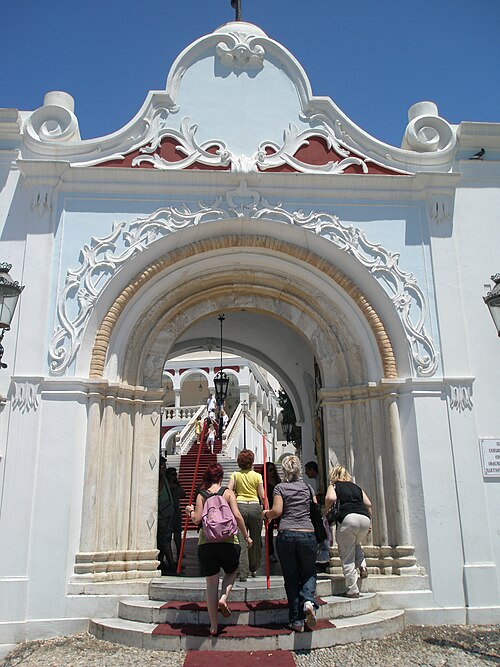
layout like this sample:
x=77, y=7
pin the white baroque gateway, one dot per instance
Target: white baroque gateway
x=350, y=270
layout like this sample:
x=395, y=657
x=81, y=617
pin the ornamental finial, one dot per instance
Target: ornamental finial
x=236, y=4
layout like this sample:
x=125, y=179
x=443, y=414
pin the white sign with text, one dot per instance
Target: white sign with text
x=490, y=456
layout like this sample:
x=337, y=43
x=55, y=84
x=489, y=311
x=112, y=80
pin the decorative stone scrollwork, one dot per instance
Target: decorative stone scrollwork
x=187, y=144
x=269, y=155
x=239, y=51
x=55, y=121
x=439, y=208
x=42, y=200
x=426, y=131
x=460, y=397
x=293, y=140
x=104, y=257
x=25, y=396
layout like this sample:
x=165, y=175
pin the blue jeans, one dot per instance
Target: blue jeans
x=297, y=553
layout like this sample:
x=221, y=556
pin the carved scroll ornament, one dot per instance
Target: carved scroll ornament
x=336, y=157
x=240, y=51
x=104, y=256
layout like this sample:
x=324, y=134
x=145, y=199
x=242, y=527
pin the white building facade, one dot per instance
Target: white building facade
x=352, y=270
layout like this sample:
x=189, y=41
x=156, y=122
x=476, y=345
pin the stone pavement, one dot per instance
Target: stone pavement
x=417, y=646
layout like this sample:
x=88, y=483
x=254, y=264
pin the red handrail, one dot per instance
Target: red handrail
x=191, y=494
x=266, y=506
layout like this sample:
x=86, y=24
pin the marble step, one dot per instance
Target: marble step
x=183, y=588
x=378, y=583
x=275, y=637
x=243, y=613
x=192, y=589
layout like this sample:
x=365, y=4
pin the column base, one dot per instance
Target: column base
x=101, y=566
x=383, y=559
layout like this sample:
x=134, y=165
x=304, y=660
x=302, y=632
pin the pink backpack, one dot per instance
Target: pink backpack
x=217, y=519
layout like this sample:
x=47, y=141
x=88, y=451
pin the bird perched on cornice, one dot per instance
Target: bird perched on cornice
x=479, y=155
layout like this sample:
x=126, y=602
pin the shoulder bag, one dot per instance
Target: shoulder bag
x=334, y=512
x=316, y=520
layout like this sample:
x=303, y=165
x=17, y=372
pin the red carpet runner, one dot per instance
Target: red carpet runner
x=240, y=658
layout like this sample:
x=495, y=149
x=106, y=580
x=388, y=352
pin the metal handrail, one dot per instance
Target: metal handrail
x=229, y=433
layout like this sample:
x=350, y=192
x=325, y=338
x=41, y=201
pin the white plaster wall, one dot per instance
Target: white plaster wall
x=58, y=493
x=41, y=506
x=477, y=232
x=442, y=524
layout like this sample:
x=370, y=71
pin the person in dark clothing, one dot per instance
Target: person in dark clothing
x=353, y=525
x=273, y=479
x=165, y=522
x=177, y=492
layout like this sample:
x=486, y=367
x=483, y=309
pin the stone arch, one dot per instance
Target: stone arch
x=189, y=376
x=330, y=315
x=216, y=244
x=168, y=439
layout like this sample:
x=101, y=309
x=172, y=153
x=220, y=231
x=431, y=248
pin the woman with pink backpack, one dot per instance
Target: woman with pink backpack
x=217, y=511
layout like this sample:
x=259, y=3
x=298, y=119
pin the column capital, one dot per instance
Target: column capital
x=335, y=396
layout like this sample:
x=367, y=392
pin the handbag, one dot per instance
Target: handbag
x=317, y=520
x=334, y=512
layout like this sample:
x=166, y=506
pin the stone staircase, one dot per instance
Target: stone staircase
x=174, y=615
x=175, y=618
x=186, y=465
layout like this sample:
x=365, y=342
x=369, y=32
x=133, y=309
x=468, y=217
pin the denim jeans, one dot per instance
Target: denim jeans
x=297, y=553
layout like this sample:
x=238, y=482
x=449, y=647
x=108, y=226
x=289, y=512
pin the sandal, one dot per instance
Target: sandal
x=224, y=609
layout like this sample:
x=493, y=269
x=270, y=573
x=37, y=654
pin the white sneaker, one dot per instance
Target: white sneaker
x=310, y=613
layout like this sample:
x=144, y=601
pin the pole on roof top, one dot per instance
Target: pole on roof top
x=236, y=4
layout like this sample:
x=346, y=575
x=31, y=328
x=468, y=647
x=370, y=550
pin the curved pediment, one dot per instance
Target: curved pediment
x=237, y=100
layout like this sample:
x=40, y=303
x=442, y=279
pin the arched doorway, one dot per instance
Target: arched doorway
x=287, y=309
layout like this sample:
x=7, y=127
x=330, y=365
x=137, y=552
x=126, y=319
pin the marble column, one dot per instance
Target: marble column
x=399, y=510
x=118, y=538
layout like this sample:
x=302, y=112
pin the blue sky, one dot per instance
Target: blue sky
x=374, y=59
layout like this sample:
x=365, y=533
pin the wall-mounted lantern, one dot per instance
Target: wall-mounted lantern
x=492, y=300
x=9, y=294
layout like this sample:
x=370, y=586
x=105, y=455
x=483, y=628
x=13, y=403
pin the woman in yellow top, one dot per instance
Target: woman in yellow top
x=249, y=489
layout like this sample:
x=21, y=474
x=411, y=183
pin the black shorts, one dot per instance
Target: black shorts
x=216, y=555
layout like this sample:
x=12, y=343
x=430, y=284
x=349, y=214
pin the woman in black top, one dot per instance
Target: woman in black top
x=353, y=525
